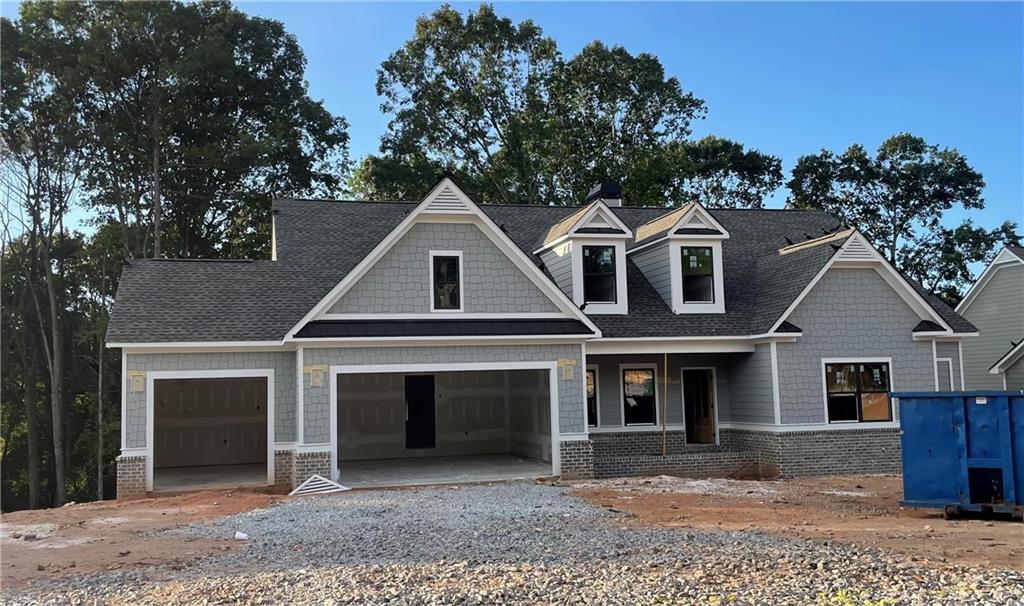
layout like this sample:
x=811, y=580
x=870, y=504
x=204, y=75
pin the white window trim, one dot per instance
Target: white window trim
x=866, y=360
x=952, y=384
x=597, y=395
x=675, y=263
x=714, y=394
x=622, y=394
x=621, y=305
x=462, y=282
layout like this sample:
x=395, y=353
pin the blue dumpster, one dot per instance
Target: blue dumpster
x=963, y=451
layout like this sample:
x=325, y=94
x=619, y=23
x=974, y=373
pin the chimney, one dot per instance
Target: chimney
x=609, y=193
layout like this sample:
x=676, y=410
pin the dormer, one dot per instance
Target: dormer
x=585, y=253
x=686, y=242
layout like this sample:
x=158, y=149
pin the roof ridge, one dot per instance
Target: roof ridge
x=839, y=235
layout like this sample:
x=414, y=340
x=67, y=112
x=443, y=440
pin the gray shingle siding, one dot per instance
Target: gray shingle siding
x=316, y=401
x=849, y=313
x=654, y=263
x=998, y=312
x=400, y=281
x=282, y=363
x=750, y=388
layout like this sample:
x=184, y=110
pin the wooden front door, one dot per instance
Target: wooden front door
x=699, y=405
x=420, y=430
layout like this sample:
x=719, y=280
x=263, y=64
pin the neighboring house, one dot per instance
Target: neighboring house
x=995, y=304
x=598, y=341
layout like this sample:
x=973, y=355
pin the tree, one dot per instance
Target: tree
x=898, y=199
x=204, y=112
x=496, y=103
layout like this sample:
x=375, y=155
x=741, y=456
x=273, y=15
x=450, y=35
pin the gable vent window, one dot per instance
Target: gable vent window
x=446, y=281
x=599, y=274
x=698, y=275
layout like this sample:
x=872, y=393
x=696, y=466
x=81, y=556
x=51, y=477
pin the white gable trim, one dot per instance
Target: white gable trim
x=858, y=252
x=1003, y=259
x=597, y=212
x=1008, y=360
x=446, y=200
x=698, y=217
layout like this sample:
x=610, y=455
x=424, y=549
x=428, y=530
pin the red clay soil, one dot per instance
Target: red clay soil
x=862, y=510
x=109, y=535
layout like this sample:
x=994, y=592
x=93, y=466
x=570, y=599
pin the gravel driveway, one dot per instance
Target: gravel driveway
x=515, y=543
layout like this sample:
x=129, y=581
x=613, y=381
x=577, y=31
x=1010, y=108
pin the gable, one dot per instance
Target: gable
x=858, y=299
x=399, y=282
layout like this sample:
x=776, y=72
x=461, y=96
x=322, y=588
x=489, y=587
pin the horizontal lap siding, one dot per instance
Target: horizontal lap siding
x=558, y=262
x=654, y=263
x=946, y=349
x=750, y=388
x=998, y=313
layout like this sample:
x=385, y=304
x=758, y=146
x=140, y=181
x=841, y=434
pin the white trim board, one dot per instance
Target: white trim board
x=447, y=203
x=160, y=375
x=551, y=367
x=807, y=427
x=1004, y=258
x=461, y=285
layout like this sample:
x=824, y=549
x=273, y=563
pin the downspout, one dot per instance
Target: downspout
x=664, y=409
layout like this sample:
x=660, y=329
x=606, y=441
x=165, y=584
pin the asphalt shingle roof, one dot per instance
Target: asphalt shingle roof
x=319, y=242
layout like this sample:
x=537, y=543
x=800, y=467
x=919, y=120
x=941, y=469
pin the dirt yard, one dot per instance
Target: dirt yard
x=111, y=535
x=861, y=510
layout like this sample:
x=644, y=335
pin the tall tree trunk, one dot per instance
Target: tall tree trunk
x=99, y=424
x=156, y=185
x=56, y=380
x=30, y=378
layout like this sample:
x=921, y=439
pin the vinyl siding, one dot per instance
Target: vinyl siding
x=1015, y=375
x=558, y=262
x=654, y=263
x=946, y=349
x=750, y=388
x=998, y=312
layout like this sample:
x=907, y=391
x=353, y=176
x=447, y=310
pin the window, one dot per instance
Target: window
x=639, y=402
x=698, y=275
x=446, y=281
x=592, y=397
x=599, y=274
x=857, y=391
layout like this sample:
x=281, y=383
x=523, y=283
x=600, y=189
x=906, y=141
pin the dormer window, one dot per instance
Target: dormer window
x=599, y=282
x=445, y=280
x=698, y=274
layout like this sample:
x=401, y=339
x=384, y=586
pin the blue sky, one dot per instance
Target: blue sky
x=788, y=79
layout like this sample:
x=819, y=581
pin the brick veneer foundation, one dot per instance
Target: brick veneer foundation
x=131, y=477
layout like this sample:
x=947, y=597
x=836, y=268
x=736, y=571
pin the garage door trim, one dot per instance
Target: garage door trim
x=159, y=375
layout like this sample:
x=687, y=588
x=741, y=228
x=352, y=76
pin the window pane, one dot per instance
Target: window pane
x=599, y=259
x=446, y=283
x=840, y=377
x=697, y=261
x=591, y=399
x=875, y=407
x=599, y=289
x=698, y=275
x=599, y=274
x=698, y=289
x=842, y=407
x=874, y=377
x=638, y=395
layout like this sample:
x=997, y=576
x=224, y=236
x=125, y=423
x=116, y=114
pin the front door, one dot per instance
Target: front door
x=699, y=405
x=419, y=411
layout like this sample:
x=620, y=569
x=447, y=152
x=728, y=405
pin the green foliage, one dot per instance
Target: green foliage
x=496, y=103
x=898, y=199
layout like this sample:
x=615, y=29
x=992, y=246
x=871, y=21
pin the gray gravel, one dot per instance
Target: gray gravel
x=515, y=543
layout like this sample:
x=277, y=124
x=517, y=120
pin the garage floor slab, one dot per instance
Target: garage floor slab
x=184, y=479
x=441, y=470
